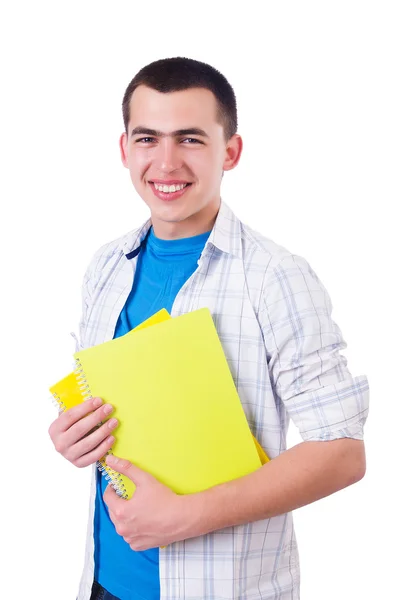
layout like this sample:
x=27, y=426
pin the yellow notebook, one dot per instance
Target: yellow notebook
x=68, y=392
x=174, y=396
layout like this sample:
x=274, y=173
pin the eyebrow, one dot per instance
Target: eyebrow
x=190, y=131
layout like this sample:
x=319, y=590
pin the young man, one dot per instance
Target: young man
x=273, y=316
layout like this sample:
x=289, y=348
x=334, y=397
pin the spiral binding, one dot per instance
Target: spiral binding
x=57, y=402
x=82, y=381
x=107, y=472
x=113, y=477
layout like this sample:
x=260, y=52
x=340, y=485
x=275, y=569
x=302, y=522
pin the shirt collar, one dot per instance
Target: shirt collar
x=225, y=235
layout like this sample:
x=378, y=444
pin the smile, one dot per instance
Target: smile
x=169, y=192
x=169, y=188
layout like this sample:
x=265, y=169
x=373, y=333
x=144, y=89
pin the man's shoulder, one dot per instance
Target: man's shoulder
x=262, y=249
x=273, y=260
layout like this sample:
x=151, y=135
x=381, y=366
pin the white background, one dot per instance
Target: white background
x=315, y=85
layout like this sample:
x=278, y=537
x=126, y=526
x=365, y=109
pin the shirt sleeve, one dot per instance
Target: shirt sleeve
x=303, y=344
x=85, y=298
x=79, y=340
x=87, y=293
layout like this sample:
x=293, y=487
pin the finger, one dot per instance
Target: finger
x=68, y=418
x=111, y=500
x=110, y=492
x=92, y=440
x=116, y=505
x=85, y=425
x=123, y=466
x=92, y=457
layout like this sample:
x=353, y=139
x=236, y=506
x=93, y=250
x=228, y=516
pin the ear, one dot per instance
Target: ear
x=123, y=149
x=234, y=148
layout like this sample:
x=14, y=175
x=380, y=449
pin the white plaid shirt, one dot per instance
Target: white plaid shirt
x=273, y=317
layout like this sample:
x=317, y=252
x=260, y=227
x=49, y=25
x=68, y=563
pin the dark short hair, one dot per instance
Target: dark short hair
x=179, y=73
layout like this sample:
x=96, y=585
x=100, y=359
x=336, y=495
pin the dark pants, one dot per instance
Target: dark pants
x=99, y=593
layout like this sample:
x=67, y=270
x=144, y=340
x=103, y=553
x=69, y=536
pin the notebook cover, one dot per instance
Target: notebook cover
x=180, y=417
x=67, y=392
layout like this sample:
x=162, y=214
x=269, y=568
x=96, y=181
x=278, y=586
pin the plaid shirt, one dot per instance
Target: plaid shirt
x=273, y=317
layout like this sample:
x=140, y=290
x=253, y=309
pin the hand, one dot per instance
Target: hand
x=75, y=436
x=153, y=517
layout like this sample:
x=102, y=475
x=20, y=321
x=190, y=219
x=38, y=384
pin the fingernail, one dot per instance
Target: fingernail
x=111, y=459
x=97, y=402
x=111, y=439
x=112, y=423
x=108, y=409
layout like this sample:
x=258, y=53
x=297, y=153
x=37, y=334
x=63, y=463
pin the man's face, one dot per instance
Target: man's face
x=173, y=152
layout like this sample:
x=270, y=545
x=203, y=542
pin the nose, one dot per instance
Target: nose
x=168, y=155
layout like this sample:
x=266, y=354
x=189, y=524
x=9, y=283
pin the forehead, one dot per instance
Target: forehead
x=173, y=110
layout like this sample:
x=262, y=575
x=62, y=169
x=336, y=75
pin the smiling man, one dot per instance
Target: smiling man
x=176, y=140
x=273, y=316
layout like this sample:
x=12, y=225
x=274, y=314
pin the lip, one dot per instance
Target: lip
x=169, y=181
x=169, y=196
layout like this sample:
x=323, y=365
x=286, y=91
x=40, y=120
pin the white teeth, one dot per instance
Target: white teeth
x=170, y=188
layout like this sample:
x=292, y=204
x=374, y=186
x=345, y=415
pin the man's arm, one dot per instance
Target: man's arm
x=312, y=385
x=299, y=476
x=157, y=516
x=327, y=404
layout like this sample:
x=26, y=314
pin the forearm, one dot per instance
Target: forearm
x=299, y=476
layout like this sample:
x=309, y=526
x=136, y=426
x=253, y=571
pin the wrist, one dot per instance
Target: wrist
x=203, y=512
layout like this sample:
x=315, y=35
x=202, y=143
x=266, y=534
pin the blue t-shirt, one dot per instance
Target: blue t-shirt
x=163, y=267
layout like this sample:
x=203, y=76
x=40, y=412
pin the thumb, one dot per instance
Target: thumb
x=125, y=467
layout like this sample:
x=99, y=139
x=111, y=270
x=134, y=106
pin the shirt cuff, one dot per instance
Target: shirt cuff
x=332, y=412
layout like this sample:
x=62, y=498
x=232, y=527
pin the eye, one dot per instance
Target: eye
x=145, y=138
x=193, y=140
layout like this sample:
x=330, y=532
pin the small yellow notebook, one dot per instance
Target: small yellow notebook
x=180, y=417
x=68, y=392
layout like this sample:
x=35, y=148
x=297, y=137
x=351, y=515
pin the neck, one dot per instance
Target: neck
x=198, y=223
